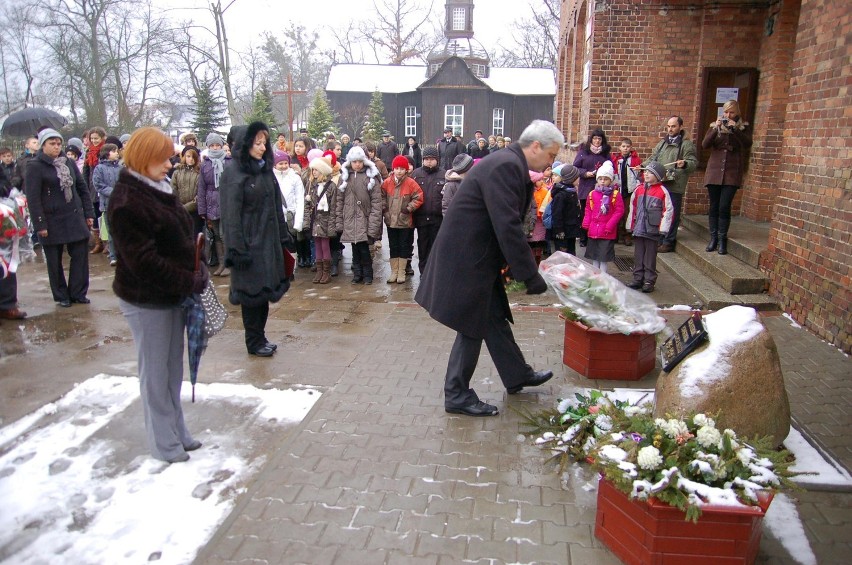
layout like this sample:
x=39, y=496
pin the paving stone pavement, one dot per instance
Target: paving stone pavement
x=379, y=473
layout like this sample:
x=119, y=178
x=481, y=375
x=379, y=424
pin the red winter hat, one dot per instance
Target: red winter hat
x=331, y=154
x=399, y=162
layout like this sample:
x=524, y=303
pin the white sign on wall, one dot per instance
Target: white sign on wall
x=725, y=94
x=587, y=74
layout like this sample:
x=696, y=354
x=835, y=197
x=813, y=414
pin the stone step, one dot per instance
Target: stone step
x=734, y=276
x=711, y=295
x=746, y=238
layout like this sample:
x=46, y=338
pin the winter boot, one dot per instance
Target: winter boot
x=400, y=271
x=319, y=268
x=408, y=270
x=220, y=252
x=335, y=262
x=394, y=266
x=99, y=245
x=367, y=269
x=358, y=271
x=714, y=233
x=326, y=271
x=724, y=223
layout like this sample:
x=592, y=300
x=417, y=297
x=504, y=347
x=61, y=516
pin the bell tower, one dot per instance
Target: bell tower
x=459, y=21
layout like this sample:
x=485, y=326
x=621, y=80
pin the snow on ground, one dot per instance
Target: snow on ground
x=809, y=460
x=782, y=520
x=77, y=486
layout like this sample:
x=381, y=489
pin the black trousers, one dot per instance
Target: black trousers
x=9, y=292
x=504, y=351
x=361, y=253
x=254, y=322
x=78, y=272
x=400, y=242
x=721, y=198
x=425, y=239
x=677, y=208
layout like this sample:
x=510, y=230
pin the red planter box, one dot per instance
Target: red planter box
x=598, y=355
x=654, y=533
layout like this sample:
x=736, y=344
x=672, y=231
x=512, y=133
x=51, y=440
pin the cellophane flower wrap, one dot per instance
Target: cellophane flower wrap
x=598, y=300
x=687, y=462
x=13, y=231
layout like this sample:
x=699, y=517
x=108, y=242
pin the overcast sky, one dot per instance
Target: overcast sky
x=246, y=20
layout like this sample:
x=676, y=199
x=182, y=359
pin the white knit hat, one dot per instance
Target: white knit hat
x=606, y=170
x=321, y=165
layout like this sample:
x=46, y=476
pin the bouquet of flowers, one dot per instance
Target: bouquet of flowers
x=688, y=462
x=13, y=228
x=598, y=300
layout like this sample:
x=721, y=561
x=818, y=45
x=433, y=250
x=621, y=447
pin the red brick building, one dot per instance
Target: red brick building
x=627, y=66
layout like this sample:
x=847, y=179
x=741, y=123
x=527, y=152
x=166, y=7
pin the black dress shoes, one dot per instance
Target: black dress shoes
x=478, y=409
x=65, y=303
x=272, y=346
x=635, y=285
x=264, y=351
x=538, y=378
x=83, y=300
x=192, y=446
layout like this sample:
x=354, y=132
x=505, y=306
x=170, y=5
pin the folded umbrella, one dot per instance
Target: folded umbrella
x=196, y=339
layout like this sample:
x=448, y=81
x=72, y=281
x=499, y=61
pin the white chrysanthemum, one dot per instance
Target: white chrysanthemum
x=631, y=411
x=730, y=433
x=660, y=423
x=565, y=404
x=702, y=420
x=649, y=458
x=708, y=436
x=603, y=423
x=674, y=428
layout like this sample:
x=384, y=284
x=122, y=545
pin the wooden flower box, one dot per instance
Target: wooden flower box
x=652, y=532
x=598, y=355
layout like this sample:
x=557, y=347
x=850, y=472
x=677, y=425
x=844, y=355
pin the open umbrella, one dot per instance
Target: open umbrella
x=29, y=120
x=196, y=339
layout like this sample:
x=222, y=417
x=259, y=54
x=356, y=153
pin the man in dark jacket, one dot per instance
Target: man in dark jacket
x=462, y=287
x=448, y=148
x=428, y=218
x=387, y=149
x=30, y=150
x=7, y=163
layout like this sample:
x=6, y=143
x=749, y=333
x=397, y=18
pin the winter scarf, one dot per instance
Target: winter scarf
x=66, y=183
x=595, y=149
x=607, y=197
x=92, y=154
x=217, y=158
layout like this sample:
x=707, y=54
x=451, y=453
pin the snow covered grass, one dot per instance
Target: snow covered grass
x=75, y=487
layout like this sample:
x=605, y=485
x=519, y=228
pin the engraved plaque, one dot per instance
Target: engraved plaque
x=685, y=339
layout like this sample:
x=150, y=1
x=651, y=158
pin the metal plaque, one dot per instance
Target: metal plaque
x=686, y=338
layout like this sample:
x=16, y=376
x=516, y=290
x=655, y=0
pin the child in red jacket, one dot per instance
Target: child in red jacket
x=627, y=177
x=650, y=217
x=604, y=209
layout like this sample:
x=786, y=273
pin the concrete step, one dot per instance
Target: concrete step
x=746, y=238
x=734, y=276
x=709, y=293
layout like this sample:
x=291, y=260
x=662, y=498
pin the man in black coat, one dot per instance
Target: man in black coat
x=387, y=149
x=448, y=148
x=462, y=287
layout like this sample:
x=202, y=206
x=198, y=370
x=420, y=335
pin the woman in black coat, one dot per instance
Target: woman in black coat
x=254, y=231
x=62, y=214
x=413, y=150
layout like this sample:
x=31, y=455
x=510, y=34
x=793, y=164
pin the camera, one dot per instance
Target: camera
x=725, y=121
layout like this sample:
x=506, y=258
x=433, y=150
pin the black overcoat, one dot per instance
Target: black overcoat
x=65, y=222
x=253, y=225
x=482, y=231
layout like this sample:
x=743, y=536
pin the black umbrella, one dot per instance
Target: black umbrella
x=29, y=120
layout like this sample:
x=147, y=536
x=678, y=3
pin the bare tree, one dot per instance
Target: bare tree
x=18, y=47
x=352, y=118
x=536, y=38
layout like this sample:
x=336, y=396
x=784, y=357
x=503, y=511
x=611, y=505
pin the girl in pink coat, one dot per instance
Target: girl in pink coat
x=604, y=209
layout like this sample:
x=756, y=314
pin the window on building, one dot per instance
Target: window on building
x=458, y=19
x=433, y=68
x=498, y=121
x=478, y=70
x=411, y=121
x=454, y=118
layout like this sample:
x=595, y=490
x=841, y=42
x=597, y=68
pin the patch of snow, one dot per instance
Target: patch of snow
x=782, y=520
x=677, y=307
x=792, y=321
x=725, y=328
x=809, y=460
x=69, y=497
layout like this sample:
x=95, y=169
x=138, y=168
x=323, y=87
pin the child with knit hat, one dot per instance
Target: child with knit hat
x=566, y=213
x=401, y=196
x=604, y=208
x=536, y=232
x=321, y=199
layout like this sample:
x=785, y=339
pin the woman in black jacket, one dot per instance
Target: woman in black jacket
x=154, y=241
x=254, y=230
x=62, y=214
x=413, y=150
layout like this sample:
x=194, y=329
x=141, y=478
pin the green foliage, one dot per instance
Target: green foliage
x=375, y=124
x=210, y=110
x=321, y=119
x=261, y=107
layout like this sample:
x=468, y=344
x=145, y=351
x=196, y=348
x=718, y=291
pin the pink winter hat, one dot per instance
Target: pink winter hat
x=536, y=176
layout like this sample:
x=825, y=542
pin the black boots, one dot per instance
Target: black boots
x=335, y=262
x=358, y=271
x=724, y=223
x=714, y=234
x=367, y=270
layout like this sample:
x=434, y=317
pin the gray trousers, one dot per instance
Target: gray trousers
x=504, y=351
x=159, y=335
x=644, y=259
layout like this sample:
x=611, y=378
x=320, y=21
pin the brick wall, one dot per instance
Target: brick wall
x=810, y=247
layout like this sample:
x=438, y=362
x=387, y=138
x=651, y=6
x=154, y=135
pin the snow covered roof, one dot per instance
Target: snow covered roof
x=394, y=79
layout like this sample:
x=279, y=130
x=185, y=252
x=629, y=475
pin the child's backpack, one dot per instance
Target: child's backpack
x=547, y=217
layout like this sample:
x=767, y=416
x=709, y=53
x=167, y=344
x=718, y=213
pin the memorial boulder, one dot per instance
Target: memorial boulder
x=736, y=372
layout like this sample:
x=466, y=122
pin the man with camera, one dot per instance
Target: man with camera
x=677, y=154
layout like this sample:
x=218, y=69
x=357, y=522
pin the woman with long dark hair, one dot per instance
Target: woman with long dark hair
x=591, y=155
